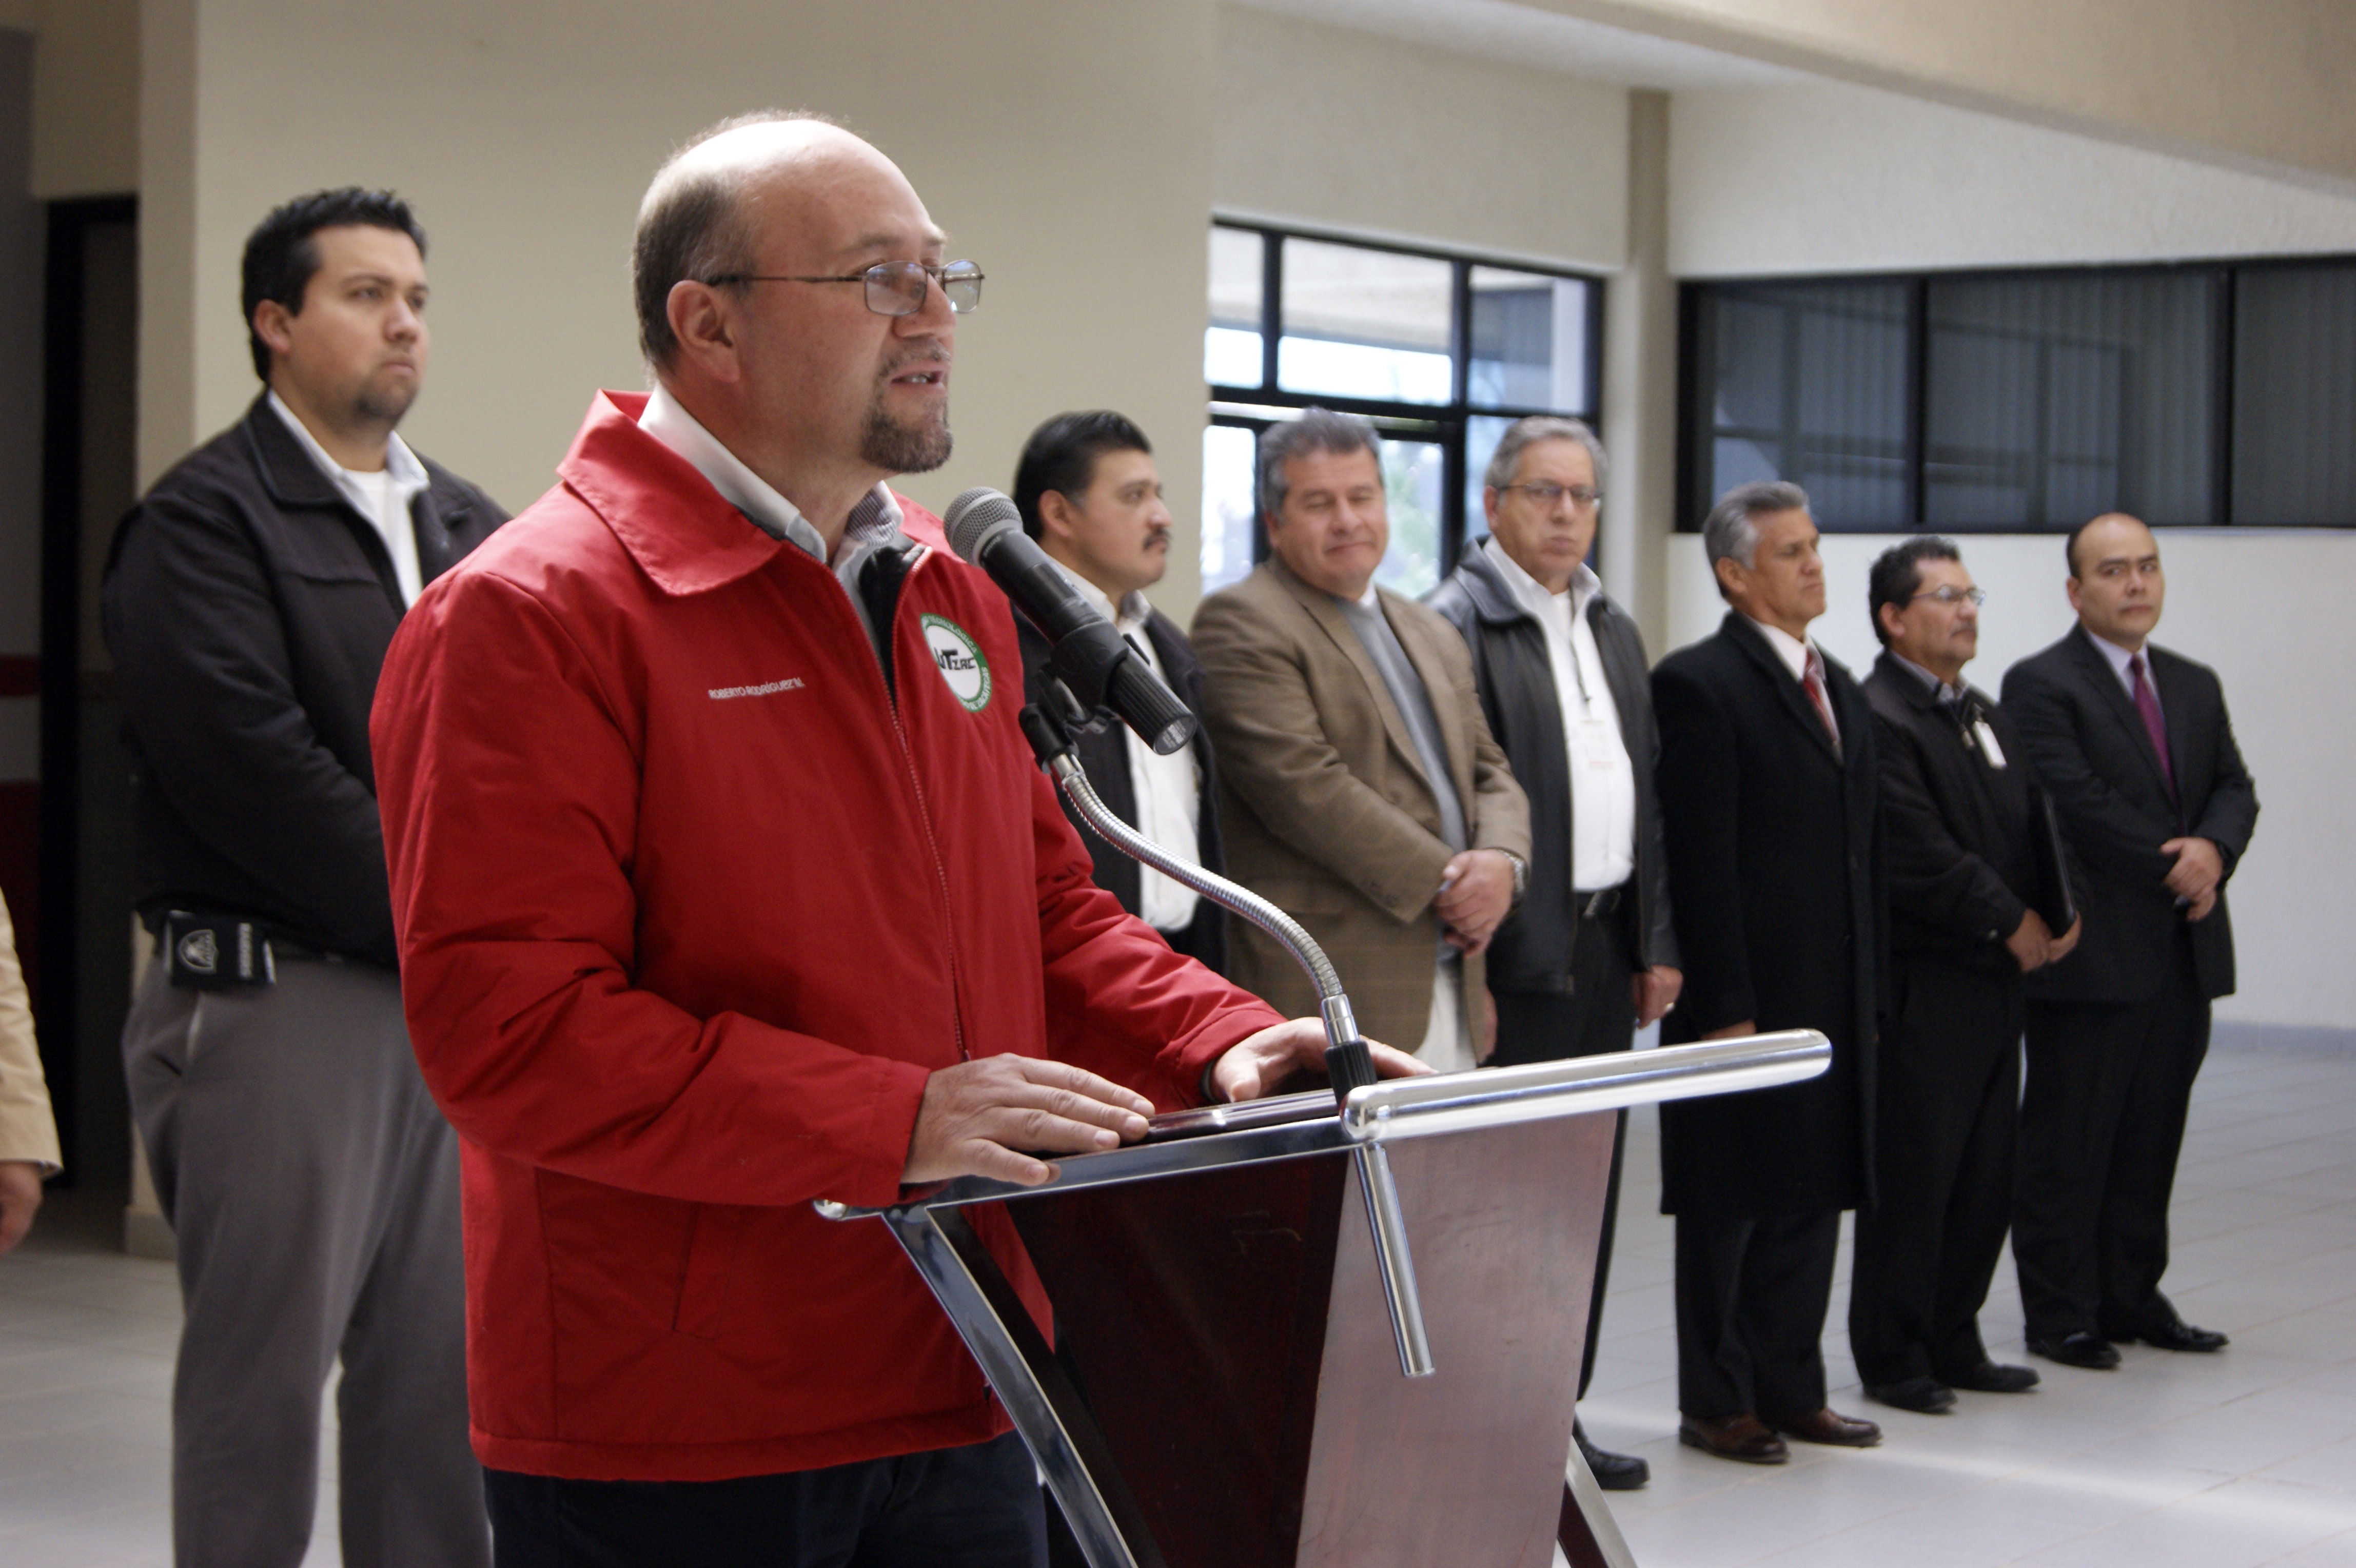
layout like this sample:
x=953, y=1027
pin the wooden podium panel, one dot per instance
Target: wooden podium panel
x=1229, y=1333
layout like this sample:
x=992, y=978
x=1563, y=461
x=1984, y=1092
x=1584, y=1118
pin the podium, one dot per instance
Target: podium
x=1233, y=1388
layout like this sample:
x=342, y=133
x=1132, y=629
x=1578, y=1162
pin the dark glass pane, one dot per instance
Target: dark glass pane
x=2295, y=396
x=1231, y=346
x=1807, y=383
x=1365, y=323
x=2051, y=399
x=1529, y=342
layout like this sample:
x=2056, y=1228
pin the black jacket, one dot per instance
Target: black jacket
x=2090, y=748
x=248, y=607
x=1964, y=864
x=1104, y=753
x=1531, y=950
x=1775, y=862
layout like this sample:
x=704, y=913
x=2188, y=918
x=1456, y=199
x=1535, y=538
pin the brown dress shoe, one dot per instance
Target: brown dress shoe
x=1743, y=1437
x=1827, y=1426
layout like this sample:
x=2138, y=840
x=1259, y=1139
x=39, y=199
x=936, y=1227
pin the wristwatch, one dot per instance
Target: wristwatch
x=1521, y=875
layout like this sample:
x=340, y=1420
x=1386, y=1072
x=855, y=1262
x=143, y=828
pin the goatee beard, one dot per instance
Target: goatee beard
x=901, y=449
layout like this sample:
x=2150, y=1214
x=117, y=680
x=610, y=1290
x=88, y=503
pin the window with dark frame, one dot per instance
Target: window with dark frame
x=2190, y=394
x=1441, y=351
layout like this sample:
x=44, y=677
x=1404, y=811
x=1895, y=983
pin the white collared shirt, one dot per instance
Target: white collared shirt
x=1795, y=654
x=2120, y=657
x=873, y=523
x=383, y=498
x=1602, y=780
x=1169, y=790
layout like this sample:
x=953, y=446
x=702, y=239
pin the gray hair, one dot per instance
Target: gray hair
x=1730, y=531
x=1317, y=430
x=691, y=226
x=1527, y=433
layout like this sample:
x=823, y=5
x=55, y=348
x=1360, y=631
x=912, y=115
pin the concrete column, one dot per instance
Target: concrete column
x=1640, y=384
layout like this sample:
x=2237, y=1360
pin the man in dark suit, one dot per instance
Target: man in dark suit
x=1089, y=493
x=2135, y=744
x=1964, y=822
x=1769, y=801
x=1589, y=956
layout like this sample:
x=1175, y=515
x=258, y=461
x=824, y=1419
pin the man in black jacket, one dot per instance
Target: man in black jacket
x=1089, y=493
x=312, y=1186
x=1770, y=806
x=2135, y=744
x=1971, y=861
x=1589, y=956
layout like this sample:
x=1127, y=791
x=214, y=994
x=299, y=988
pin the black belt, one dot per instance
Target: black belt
x=1601, y=905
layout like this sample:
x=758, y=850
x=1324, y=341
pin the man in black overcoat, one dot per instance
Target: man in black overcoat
x=1089, y=492
x=1973, y=865
x=2135, y=744
x=1769, y=797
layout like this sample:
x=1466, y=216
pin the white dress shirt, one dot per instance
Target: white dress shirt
x=382, y=496
x=1169, y=790
x=1795, y=654
x=1602, y=780
x=2120, y=657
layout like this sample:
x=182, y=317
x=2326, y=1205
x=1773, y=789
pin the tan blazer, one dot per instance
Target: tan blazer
x=1327, y=810
x=28, y=1131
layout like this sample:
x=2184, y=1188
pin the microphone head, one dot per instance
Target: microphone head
x=976, y=517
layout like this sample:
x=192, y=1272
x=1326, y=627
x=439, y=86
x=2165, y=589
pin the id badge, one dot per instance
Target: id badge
x=1988, y=748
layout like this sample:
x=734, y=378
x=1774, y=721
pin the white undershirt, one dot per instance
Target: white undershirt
x=1169, y=790
x=1603, y=780
x=384, y=496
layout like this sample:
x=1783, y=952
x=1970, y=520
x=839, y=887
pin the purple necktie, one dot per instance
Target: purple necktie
x=2147, y=702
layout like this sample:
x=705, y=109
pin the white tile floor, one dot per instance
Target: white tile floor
x=2171, y=1462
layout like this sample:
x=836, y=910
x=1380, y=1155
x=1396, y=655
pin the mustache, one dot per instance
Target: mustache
x=929, y=352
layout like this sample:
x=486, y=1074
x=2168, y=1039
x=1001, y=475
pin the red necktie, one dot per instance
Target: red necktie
x=2147, y=702
x=1815, y=682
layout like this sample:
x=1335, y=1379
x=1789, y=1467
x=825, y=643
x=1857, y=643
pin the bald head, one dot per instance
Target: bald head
x=703, y=217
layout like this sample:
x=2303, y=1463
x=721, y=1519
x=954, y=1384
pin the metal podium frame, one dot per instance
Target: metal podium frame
x=1063, y=1437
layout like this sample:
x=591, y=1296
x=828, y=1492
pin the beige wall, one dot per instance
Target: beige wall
x=1840, y=178
x=2263, y=609
x=1323, y=126
x=85, y=97
x=1068, y=152
x=2260, y=84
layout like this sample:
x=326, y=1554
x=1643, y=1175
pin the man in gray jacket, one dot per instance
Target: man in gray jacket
x=1589, y=956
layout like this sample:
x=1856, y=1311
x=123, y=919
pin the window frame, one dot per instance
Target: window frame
x=1255, y=408
x=1696, y=439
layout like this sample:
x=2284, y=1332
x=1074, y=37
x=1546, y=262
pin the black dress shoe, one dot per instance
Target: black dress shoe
x=1993, y=1378
x=2177, y=1335
x=2079, y=1349
x=1923, y=1396
x=1613, y=1472
x=1742, y=1437
x=1826, y=1426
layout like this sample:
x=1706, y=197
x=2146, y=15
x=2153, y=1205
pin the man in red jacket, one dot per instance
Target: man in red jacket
x=726, y=882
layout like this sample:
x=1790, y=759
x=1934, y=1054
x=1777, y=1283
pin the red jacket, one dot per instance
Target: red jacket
x=689, y=909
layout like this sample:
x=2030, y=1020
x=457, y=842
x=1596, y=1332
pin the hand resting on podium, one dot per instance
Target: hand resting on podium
x=977, y=1118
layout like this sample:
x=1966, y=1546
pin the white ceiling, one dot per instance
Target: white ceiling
x=1526, y=36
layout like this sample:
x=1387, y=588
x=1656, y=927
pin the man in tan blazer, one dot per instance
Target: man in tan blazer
x=28, y=1135
x=1359, y=786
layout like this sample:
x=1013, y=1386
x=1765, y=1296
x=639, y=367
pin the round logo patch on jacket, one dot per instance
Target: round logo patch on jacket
x=958, y=659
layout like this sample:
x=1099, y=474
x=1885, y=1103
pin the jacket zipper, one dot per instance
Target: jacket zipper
x=924, y=817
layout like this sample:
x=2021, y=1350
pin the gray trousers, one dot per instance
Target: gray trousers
x=313, y=1191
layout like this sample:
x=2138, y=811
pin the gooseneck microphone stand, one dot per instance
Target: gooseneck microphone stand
x=1348, y=1063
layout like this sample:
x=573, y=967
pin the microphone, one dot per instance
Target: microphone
x=1095, y=660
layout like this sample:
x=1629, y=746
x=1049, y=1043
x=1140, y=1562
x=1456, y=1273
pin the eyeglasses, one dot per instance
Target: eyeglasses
x=1951, y=596
x=893, y=288
x=1548, y=494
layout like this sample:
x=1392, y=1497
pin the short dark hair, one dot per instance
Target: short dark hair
x=1315, y=430
x=1897, y=575
x=281, y=258
x=1062, y=455
x=691, y=226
